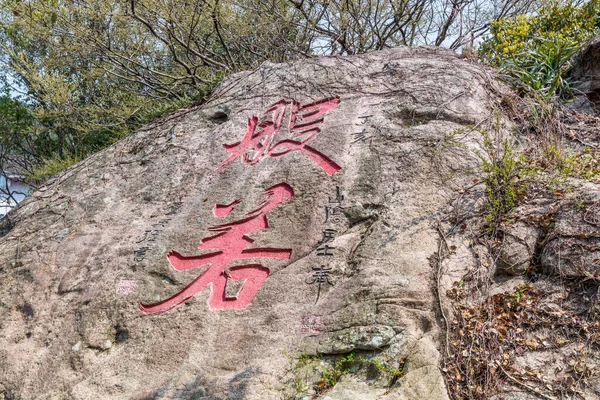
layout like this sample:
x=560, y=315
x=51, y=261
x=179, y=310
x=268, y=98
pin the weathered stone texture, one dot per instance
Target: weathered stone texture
x=572, y=247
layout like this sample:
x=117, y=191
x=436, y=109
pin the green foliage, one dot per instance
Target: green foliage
x=516, y=296
x=503, y=168
x=585, y=165
x=331, y=369
x=342, y=365
x=91, y=72
x=15, y=118
x=392, y=373
x=567, y=23
x=338, y=368
x=534, y=50
x=542, y=68
x=49, y=168
x=47, y=141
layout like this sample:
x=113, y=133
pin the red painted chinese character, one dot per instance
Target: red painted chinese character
x=231, y=242
x=259, y=139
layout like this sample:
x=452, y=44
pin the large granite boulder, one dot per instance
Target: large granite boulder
x=272, y=243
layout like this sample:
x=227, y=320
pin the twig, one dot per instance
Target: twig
x=519, y=383
x=17, y=252
x=473, y=128
x=457, y=139
x=438, y=279
x=448, y=102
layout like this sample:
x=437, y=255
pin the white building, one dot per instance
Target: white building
x=12, y=190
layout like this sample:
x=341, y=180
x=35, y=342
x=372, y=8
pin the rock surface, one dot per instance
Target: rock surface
x=347, y=255
x=517, y=249
x=572, y=248
x=585, y=73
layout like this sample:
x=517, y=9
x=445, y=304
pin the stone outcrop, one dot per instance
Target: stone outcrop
x=572, y=246
x=518, y=247
x=314, y=190
x=585, y=75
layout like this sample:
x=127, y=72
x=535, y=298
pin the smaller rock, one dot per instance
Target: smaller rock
x=573, y=249
x=517, y=249
x=76, y=347
x=401, y=282
x=585, y=72
x=358, y=338
x=350, y=388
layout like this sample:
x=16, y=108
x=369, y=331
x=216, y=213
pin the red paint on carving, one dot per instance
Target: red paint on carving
x=231, y=242
x=259, y=139
x=222, y=210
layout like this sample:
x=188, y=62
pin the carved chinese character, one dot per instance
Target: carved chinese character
x=339, y=197
x=161, y=223
x=360, y=136
x=140, y=254
x=175, y=208
x=328, y=236
x=304, y=121
x=144, y=238
x=320, y=275
x=231, y=243
x=153, y=235
x=150, y=235
x=325, y=250
x=333, y=214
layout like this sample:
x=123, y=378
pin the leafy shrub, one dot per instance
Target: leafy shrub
x=503, y=168
x=542, y=68
x=534, y=51
x=51, y=167
x=568, y=24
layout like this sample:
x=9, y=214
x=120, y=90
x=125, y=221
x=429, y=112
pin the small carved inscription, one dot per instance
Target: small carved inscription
x=362, y=135
x=126, y=287
x=311, y=324
x=320, y=276
x=151, y=235
x=325, y=248
x=334, y=211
